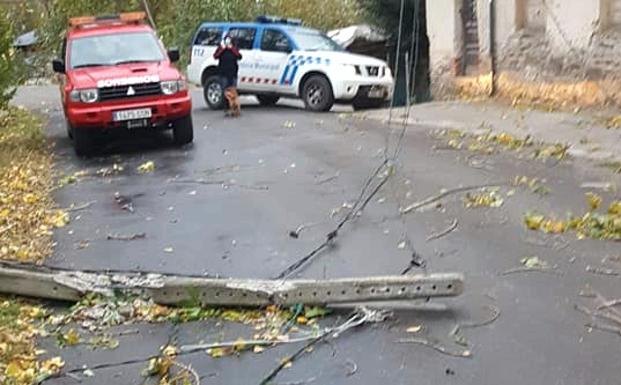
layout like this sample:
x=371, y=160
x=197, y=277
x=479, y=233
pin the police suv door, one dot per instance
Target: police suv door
x=205, y=43
x=271, y=61
x=244, y=38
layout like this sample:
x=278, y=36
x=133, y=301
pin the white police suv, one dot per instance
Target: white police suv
x=283, y=59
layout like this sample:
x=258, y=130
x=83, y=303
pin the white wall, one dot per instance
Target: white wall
x=573, y=22
x=442, y=29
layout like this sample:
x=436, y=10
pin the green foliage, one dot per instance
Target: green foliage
x=10, y=68
x=177, y=20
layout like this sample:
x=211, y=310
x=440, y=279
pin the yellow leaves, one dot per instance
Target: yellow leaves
x=58, y=219
x=615, y=208
x=613, y=122
x=52, y=366
x=170, y=351
x=534, y=262
x=146, y=167
x=18, y=356
x=71, y=338
x=592, y=224
x=25, y=182
x=219, y=352
x=483, y=198
x=593, y=200
x=551, y=226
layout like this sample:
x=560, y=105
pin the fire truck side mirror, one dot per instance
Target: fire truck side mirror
x=173, y=55
x=58, y=66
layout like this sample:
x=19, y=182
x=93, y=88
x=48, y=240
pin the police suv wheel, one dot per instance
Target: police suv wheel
x=267, y=100
x=317, y=94
x=183, y=130
x=214, y=93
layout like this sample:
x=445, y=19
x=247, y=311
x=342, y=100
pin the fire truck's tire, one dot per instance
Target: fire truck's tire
x=214, y=93
x=183, y=130
x=83, y=141
x=69, y=129
x=317, y=94
x=267, y=100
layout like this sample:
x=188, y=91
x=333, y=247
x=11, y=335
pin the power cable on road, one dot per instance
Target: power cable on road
x=388, y=165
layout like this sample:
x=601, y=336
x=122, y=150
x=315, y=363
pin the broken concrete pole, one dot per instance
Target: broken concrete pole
x=176, y=290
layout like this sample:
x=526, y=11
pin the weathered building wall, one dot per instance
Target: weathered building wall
x=444, y=41
x=541, y=41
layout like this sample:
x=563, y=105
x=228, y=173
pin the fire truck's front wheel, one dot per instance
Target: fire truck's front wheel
x=183, y=130
x=83, y=141
x=317, y=94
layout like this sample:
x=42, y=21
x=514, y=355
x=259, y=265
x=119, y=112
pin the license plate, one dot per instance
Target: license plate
x=143, y=113
x=142, y=123
x=376, y=93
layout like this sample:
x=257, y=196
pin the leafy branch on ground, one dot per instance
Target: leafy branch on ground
x=490, y=143
x=593, y=224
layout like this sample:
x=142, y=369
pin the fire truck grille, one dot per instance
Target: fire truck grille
x=133, y=91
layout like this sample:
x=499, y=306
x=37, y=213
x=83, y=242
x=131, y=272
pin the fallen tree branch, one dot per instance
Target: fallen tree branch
x=432, y=199
x=495, y=315
x=187, y=369
x=328, y=179
x=360, y=317
x=444, y=233
x=198, y=181
x=437, y=347
x=120, y=237
x=602, y=271
x=7, y=228
x=530, y=270
x=606, y=328
x=80, y=207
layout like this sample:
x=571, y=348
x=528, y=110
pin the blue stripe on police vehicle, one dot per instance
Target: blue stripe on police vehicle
x=291, y=69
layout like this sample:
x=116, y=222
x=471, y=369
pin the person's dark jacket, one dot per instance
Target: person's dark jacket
x=228, y=58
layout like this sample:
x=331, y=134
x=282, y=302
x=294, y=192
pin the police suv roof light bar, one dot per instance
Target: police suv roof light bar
x=267, y=19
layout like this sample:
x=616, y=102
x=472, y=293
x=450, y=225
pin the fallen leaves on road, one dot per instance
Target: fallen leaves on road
x=491, y=143
x=483, y=198
x=535, y=185
x=592, y=224
x=27, y=213
x=534, y=262
x=19, y=328
x=146, y=167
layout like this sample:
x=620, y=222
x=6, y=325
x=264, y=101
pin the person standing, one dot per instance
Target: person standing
x=228, y=57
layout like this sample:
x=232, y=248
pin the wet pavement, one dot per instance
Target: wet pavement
x=225, y=205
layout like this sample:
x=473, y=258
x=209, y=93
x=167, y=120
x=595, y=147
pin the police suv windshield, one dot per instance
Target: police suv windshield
x=308, y=40
x=115, y=49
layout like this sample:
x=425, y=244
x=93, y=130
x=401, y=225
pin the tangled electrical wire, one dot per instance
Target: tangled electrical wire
x=386, y=169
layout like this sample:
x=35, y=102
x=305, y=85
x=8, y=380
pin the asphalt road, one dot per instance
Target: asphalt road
x=277, y=168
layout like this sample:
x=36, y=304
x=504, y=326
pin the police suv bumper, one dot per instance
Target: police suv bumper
x=379, y=89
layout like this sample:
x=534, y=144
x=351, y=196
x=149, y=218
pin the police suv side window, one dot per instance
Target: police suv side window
x=209, y=36
x=243, y=37
x=275, y=41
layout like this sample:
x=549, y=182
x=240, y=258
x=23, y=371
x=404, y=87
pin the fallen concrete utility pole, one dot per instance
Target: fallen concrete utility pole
x=175, y=290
